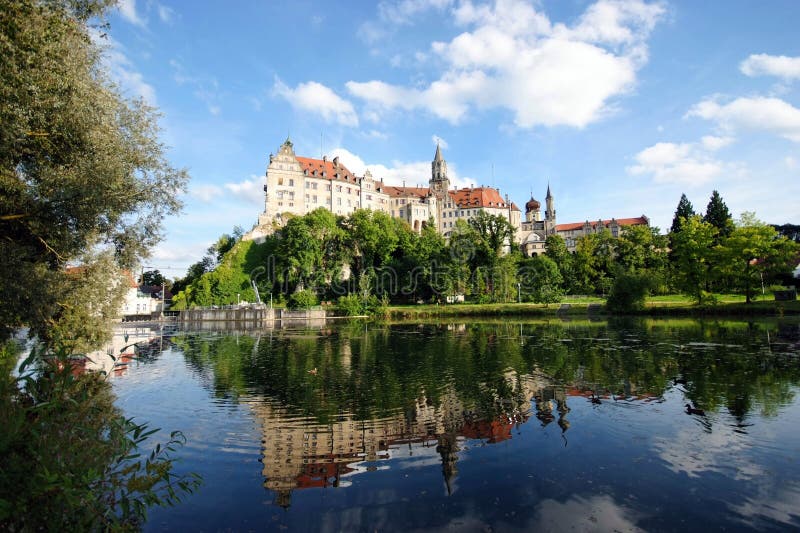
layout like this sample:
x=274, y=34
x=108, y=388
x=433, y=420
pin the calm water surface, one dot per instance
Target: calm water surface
x=484, y=426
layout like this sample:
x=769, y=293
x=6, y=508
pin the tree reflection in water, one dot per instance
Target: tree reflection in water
x=375, y=393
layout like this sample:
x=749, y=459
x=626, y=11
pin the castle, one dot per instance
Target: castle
x=298, y=185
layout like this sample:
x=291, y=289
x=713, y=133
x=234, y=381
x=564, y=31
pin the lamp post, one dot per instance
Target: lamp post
x=519, y=293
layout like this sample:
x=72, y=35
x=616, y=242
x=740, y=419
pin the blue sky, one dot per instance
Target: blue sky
x=621, y=105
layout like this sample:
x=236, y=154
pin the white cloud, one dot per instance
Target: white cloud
x=205, y=193
x=684, y=163
x=127, y=8
x=439, y=141
x=713, y=143
x=165, y=13
x=784, y=67
x=122, y=70
x=513, y=57
x=772, y=115
x=412, y=173
x=375, y=134
x=790, y=162
x=393, y=14
x=318, y=98
x=249, y=190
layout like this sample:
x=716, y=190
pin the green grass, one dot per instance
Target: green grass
x=667, y=305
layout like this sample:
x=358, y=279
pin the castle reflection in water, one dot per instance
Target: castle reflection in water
x=299, y=453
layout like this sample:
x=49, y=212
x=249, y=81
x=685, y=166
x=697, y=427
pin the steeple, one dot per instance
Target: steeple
x=550, y=211
x=439, y=181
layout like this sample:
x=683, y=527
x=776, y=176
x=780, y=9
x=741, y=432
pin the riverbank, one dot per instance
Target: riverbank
x=596, y=307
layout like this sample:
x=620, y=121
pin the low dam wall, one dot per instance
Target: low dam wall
x=247, y=317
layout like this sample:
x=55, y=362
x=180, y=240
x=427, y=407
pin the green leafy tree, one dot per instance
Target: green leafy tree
x=717, y=215
x=153, y=277
x=81, y=167
x=694, y=257
x=556, y=249
x=540, y=280
x=371, y=237
x=641, y=248
x=755, y=250
x=629, y=292
x=495, y=231
x=683, y=212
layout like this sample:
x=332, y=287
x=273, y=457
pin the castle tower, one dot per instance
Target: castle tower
x=439, y=185
x=439, y=181
x=550, y=212
x=532, y=210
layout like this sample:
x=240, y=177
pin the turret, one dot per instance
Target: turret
x=550, y=213
x=439, y=181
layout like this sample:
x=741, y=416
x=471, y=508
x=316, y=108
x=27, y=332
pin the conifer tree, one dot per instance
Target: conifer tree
x=684, y=211
x=717, y=215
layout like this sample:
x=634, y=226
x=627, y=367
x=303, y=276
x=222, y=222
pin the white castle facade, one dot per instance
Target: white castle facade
x=298, y=185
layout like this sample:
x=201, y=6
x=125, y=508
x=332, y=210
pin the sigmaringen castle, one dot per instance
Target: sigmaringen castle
x=299, y=185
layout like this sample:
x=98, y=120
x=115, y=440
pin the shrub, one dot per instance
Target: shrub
x=68, y=459
x=302, y=299
x=628, y=292
x=350, y=305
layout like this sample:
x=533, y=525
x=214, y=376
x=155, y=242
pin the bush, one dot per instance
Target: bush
x=628, y=292
x=354, y=305
x=68, y=460
x=302, y=300
x=350, y=305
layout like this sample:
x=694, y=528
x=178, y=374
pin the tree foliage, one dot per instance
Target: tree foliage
x=683, y=212
x=717, y=215
x=81, y=167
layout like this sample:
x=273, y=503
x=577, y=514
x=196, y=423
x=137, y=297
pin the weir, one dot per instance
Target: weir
x=247, y=317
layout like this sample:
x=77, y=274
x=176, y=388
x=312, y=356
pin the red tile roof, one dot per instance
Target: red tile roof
x=479, y=197
x=329, y=167
x=420, y=192
x=637, y=221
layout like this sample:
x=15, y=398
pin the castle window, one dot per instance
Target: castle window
x=280, y=181
x=338, y=188
x=308, y=185
x=369, y=197
x=314, y=199
x=291, y=182
x=327, y=187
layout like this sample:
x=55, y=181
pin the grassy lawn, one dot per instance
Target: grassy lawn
x=674, y=304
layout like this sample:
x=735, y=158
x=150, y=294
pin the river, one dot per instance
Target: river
x=642, y=425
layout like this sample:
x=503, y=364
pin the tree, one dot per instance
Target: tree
x=683, y=212
x=81, y=167
x=753, y=250
x=629, y=292
x=540, y=279
x=153, y=277
x=641, y=248
x=693, y=257
x=717, y=215
x=495, y=230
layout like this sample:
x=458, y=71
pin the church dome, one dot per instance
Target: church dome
x=532, y=205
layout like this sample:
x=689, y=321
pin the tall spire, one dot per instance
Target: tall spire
x=548, y=191
x=438, y=156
